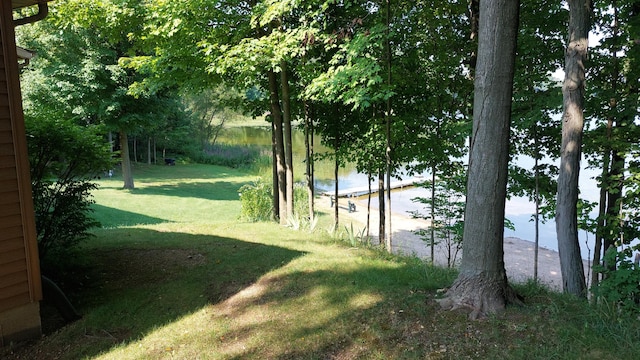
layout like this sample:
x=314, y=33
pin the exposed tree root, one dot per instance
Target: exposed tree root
x=479, y=296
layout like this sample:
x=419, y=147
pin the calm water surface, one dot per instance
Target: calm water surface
x=518, y=210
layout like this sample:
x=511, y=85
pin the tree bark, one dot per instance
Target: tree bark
x=432, y=246
x=281, y=166
x=388, y=242
x=274, y=173
x=336, y=216
x=288, y=147
x=127, y=175
x=381, y=209
x=149, y=150
x=308, y=145
x=573, y=280
x=482, y=287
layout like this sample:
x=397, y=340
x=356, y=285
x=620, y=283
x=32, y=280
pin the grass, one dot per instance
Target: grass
x=175, y=275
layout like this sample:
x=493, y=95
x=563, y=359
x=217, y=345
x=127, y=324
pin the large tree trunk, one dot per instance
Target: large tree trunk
x=288, y=147
x=127, y=175
x=481, y=287
x=573, y=281
x=281, y=166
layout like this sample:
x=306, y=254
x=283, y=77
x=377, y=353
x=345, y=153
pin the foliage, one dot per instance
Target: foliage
x=448, y=216
x=256, y=201
x=620, y=285
x=65, y=158
x=256, y=204
x=234, y=156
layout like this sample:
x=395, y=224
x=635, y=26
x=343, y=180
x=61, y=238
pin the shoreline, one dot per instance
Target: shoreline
x=518, y=253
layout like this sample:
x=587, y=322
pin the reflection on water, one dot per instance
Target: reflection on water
x=261, y=137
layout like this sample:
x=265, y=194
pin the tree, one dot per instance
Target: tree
x=573, y=281
x=482, y=284
x=80, y=68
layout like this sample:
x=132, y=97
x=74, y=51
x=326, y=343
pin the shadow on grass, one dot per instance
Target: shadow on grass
x=127, y=291
x=219, y=190
x=351, y=313
x=111, y=217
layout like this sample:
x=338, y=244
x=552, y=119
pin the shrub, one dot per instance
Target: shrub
x=62, y=216
x=256, y=201
x=64, y=159
x=620, y=286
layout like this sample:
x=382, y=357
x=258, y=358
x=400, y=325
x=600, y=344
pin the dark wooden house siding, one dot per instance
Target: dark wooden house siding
x=19, y=266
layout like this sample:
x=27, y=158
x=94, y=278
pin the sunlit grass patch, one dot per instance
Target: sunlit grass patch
x=159, y=284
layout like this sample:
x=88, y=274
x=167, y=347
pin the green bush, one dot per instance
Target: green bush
x=62, y=216
x=64, y=159
x=256, y=201
x=620, y=286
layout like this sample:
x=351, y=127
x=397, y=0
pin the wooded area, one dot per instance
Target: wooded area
x=389, y=85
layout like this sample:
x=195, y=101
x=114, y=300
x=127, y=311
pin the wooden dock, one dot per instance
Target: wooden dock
x=364, y=190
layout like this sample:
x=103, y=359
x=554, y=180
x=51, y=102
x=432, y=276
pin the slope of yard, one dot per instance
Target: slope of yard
x=174, y=274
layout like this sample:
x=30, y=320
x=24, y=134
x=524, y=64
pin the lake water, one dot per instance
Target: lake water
x=518, y=210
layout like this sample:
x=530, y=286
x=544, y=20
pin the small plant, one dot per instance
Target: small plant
x=355, y=238
x=313, y=222
x=294, y=222
x=620, y=286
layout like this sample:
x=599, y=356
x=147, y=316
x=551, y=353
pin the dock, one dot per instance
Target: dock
x=364, y=190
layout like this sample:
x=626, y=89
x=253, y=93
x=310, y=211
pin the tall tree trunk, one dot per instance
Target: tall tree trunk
x=536, y=195
x=336, y=167
x=602, y=205
x=614, y=197
x=433, y=214
x=571, y=266
x=308, y=146
x=369, y=180
x=274, y=173
x=388, y=126
x=127, y=175
x=482, y=285
x=288, y=147
x=135, y=149
x=381, y=209
x=281, y=166
x=149, y=150
x=611, y=167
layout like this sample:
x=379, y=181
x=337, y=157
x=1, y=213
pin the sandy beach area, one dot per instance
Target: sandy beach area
x=518, y=253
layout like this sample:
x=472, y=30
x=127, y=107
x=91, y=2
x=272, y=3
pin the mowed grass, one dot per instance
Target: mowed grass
x=174, y=274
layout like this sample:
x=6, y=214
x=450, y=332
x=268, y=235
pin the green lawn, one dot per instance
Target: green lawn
x=175, y=274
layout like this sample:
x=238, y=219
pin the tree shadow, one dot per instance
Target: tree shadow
x=159, y=278
x=219, y=190
x=111, y=217
x=365, y=303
